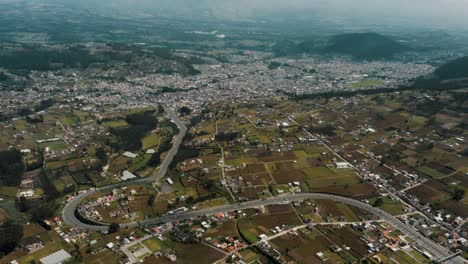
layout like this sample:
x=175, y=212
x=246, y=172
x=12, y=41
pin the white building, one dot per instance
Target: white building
x=58, y=257
x=129, y=154
x=126, y=175
x=342, y=165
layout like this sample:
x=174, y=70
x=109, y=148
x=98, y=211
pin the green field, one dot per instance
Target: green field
x=390, y=206
x=151, y=141
x=115, y=123
x=366, y=83
x=153, y=244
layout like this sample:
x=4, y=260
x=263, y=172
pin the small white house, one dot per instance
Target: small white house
x=129, y=154
x=342, y=165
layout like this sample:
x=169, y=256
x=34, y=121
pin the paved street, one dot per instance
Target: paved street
x=70, y=218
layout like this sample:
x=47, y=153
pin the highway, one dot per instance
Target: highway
x=69, y=217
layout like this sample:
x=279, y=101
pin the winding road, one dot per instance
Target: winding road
x=68, y=212
x=70, y=218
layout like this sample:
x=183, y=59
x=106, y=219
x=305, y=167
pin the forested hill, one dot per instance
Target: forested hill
x=367, y=46
x=454, y=69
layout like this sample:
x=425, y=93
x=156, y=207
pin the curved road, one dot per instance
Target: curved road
x=68, y=213
x=69, y=217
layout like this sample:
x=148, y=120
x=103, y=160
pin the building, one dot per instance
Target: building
x=342, y=165
x=129, y=154
x=126, y=175
x=58, y=257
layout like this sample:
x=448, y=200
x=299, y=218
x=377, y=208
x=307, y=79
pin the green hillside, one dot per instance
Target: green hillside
x=453, y=69
x=367, y=46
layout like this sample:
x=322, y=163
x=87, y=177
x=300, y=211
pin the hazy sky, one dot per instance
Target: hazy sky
x=430, y=12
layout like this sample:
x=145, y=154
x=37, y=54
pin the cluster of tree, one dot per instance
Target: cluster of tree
x=44, y=104
x=274, y=65
x=11, y=167
x=12, y=233
x=458, y=194
x=129, y=138
x=34, y=119
x=227, y=136
x=33, y=165
x=113, y=228
x=168, y=123
x=326, y=129
x=155, y=159
x=378, y=202
x=184, y=110
x=24, y=111
x=102, y=156
x=49, y=188
x=184, y=153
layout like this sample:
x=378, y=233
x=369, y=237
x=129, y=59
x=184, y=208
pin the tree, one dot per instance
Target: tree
x=151, y=200
x=114, y=227
x=11, y=167
x=49, y=188
x=23, y=204
x=101, y=155
x=43, y=212
x=12, y=232
x=458, y=194
x=155, y=159
x=184, y=110
x=378, y=202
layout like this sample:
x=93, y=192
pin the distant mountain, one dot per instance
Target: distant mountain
x=454, y=69
x=367, y=46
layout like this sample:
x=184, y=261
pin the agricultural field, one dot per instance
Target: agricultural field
x=187, y=253
x=127, y=204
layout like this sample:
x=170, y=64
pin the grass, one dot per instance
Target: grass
x=318, y=172
x=115, y=123
x=20, y=124
x=347, y=212
x=152, y=244
x=8, y=191
x=402, y=257
x=248, y=230
x=55, y=145
x=430, y=172
x=70, y=120
x=333, y=181
x=249, y=256
x=390, y=206
x=150, y=141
